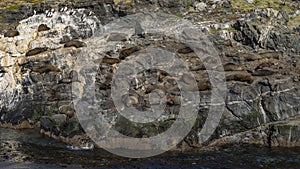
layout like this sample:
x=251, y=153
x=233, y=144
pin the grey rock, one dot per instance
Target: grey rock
x=261, y=85
x=71, y=128
x=59, y=118
x=247, y=34
x=47, y=123
x=200, y=6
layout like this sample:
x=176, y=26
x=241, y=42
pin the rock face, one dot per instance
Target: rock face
x=36, y=68
x=280, y=133
x=268, y=29
x=268, y=89
x=260, y=57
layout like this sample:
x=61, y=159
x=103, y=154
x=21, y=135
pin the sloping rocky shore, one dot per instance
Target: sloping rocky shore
x=259, y=49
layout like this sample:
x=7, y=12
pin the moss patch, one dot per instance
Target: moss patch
x=13, y=7
x=35, y=1
x=124, y=1
x=213, y=31
x=180, y=15
x=244, y=6
x=189, y=4
x=230, y=30
x=16, y=4
x=294, y=21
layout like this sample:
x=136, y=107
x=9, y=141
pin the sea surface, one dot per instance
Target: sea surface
x=44, y=153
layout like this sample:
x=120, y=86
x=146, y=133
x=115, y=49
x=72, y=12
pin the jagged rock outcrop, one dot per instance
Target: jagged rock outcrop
x=271, y=94
x=280, y=133
x=37, y=69
x=105, y=10
x=260, y=60
x=268, y=29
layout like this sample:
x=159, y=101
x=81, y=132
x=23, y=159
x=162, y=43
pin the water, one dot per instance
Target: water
x=42, y=152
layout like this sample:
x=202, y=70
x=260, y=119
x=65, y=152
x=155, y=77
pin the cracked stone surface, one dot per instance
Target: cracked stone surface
x=36, y=74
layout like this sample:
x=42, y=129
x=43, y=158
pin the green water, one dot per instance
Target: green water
x=42, y=152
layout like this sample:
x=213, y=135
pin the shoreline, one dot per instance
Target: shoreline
x=256, y=136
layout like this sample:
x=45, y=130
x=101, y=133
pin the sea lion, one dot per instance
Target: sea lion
x=43, y=27
x=232, y=67
x=36, y=51
x=11, y=33
x=67, y=110
x=74, y=43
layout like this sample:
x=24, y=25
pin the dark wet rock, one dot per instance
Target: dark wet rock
x=60, y=125
x=246, y=33
x=11, y=33
x=47, y=123
x=23, y=111
x=43, y=27
x=75, y=43
x=59, y=118
x=71, y=128
x=282, y=39
x=282, y=133
x=269, y=15
x=268, y=29
x=36, y=51
x=2, y=72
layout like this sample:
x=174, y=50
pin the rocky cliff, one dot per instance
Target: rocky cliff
x=259, y=50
